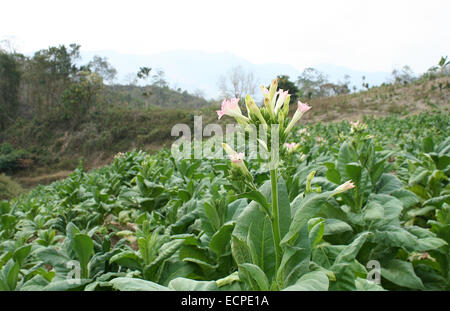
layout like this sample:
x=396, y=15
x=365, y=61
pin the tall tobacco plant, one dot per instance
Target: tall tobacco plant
x=248, y=241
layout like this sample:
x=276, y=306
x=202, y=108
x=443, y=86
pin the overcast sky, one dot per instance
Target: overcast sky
x=375, y=35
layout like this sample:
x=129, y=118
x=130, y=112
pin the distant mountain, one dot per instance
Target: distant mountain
x=197, y=70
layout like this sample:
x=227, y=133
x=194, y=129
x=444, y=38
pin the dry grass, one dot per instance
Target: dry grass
x=381, y=101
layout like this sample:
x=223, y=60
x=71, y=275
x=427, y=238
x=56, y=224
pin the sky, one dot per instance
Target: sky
x=370, y=35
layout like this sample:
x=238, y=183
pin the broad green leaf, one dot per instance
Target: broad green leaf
x=304, y=209
x=388, y=183
x=333, y=175
x=132, y=284
x=408, y=198
x=67, y=285
x=373, y=211
x=183, y=284
x=336, y=226
x=312, y=281
x=213, y=216
x=348, y=254
x=36, y=283
x=296, y=259
x=84, y=248
x=127, y=259
x=21, y=253
x=366, y=285
x=430, y=243
x=396, y=237
x=221, y=239
x=52, y=257
x=256, y=277
x=401, y=273
x=347, y=154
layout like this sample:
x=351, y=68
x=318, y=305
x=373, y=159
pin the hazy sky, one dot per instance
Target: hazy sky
x=371, y=35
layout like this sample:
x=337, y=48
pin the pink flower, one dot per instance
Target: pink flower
x=265, y=91
x=291, y=145
x=345, y=186
x=230, y=108
x=303, y=107
x=237, y=157
x=282, y=95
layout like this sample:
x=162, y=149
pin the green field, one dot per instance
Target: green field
x=148, y=222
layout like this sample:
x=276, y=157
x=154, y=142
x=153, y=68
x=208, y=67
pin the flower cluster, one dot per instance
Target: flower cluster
x=357, y=127
x=274, y=111
x=291, y=147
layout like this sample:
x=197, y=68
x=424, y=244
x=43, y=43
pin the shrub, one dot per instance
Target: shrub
x=12, y=160
x=9, y=188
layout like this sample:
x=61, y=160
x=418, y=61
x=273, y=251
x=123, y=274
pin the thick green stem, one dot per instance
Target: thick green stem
x=275, y=217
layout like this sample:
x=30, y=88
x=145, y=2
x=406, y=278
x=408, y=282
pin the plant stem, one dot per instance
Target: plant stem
x=275, y=217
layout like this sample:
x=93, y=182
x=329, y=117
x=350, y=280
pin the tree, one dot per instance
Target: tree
x=82, y=94
x=310, y=81
x=442, y=68
x=48, y=74
x=159, y=78
x=237, y=83
x=102, y=67
x=10, y=77
x=403, y=76
x=144, y=74
x=161, y=83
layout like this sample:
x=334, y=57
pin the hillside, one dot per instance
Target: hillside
x=383, y=100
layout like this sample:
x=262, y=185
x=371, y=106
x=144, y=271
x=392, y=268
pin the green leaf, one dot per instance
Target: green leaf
x=84, y=248
x=21, y=253
x=388, y=183
x=183, y=284
x=316, y=233
x=438, y=201
x=366, y=285
x=221, y=239
x=213, y=216
x=396, y=237
x=305, y=209
x=132, y=284
x=9, y=275
x=253, y=228
x=353, y=171
x=240, y=250
x=336, y=226
x=408, y=198
x=52, y=257
x=127, y=259
x=296, y=259
x=401, y=273
x=257, y=196
x=67, y=285
x=348, y=254
x=347, y=154
x=256, y=277
x=373, y=211
x=154, y=269
x=333, y=175
x=36, y=283
x=430, y=243
x=312, y=281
